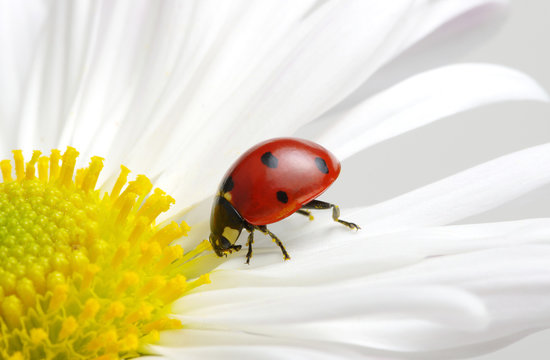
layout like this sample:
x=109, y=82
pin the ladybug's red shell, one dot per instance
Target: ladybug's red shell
x=276, y=177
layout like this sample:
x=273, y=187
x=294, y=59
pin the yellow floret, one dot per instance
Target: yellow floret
x=86, y=274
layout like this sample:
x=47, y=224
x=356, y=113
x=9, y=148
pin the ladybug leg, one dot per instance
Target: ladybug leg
x=320, y=205
x=305, y=213
x=336, y=217
x=231, y=249
x=249, y=243
x=234, y=248
x=275, y=239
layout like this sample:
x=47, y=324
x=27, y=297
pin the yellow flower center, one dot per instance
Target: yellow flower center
x=85, y=274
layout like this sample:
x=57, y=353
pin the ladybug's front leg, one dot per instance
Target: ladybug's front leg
x=316, y=204
x=264, y=230
x=233, y=248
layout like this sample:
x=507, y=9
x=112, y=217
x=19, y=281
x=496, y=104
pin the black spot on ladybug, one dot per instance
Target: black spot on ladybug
x=228, y=185
x=321, y=165
x=269, y=160
x=282, y=197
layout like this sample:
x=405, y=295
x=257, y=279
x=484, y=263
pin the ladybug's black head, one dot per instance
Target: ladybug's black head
x=226, y=225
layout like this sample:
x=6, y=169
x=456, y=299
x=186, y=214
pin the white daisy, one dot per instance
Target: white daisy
x=177, y=90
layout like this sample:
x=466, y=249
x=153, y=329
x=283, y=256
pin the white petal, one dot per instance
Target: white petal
x=458, y=304
x=20, y=25
x=424, y=98
x=456, y=27
x=327, y=37
x=348, y=314
x=467, y=193
x=156, y=72
x=432, y=15
x=52, y=84
x=173, y=66
x=326, y=255
x=193, y=71
x=345, y=49
x=251, y=352
x=320, y=59
x=512, y=282
x=209, y=344
x=228, y=308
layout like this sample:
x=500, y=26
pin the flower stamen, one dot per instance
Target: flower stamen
x=84, y=274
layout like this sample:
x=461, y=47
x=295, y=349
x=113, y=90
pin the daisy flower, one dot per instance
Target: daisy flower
x=97, y=263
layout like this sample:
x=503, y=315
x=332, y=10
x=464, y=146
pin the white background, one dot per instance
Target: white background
x=521, y=41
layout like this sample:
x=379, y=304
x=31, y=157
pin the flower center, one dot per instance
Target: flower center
x=85, y=274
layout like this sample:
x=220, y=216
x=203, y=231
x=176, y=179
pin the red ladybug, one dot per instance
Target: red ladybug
x=272, y=180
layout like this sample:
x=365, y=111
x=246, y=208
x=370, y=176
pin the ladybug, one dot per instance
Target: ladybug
x=269, y=182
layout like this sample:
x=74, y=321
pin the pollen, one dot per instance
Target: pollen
x=86, y=273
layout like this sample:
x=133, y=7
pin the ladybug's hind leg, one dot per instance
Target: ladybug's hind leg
x=264, y=230
x=320, y=205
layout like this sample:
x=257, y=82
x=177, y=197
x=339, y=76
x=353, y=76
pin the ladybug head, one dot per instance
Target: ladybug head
x=226, y=225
